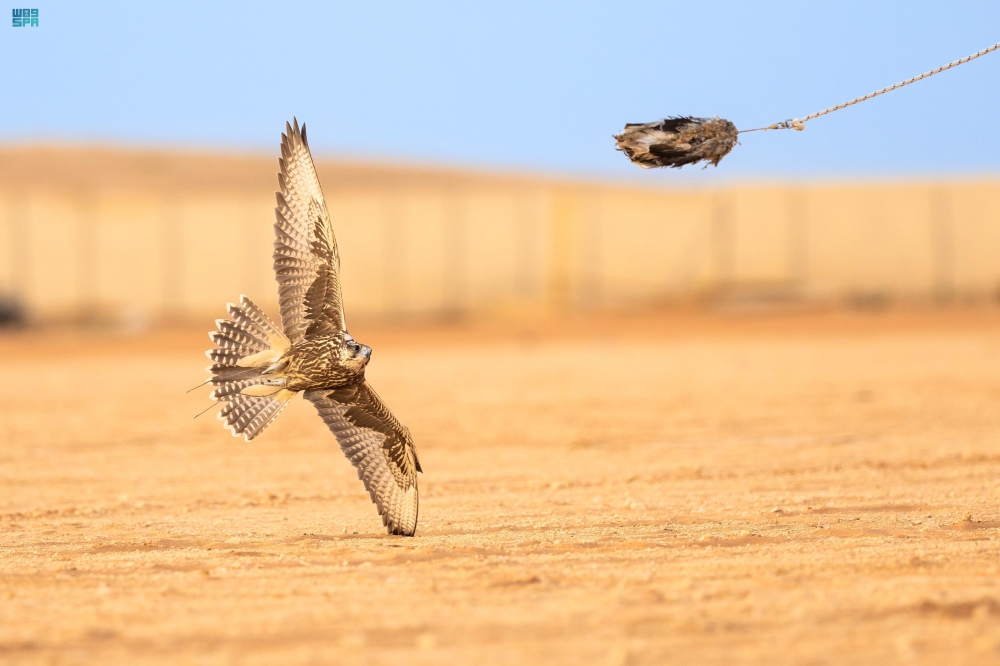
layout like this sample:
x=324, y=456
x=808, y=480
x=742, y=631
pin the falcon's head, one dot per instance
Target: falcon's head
x=356, y=354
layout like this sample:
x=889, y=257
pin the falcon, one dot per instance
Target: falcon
x=258, y=367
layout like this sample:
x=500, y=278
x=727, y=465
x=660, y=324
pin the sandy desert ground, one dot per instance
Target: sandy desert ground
x=811, y=488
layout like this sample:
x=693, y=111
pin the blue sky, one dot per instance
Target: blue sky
x=515, y=85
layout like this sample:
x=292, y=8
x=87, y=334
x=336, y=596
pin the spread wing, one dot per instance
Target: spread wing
x=379, y=446
x=306, y=261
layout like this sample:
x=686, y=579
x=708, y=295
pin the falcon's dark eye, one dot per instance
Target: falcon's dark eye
x=356, y=348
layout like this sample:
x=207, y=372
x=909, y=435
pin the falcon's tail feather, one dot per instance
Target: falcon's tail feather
x=246, y=368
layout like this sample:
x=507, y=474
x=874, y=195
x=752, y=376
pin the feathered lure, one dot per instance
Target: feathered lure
x=676, y=141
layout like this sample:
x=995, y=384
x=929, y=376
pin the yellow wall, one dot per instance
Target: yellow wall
x=508, y=245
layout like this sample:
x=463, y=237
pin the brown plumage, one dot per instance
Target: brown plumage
x=674, y=142
x=258, y=367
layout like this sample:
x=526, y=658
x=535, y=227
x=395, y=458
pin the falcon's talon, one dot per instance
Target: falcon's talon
x=277, y=366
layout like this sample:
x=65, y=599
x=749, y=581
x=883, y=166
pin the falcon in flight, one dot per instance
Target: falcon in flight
x=258, y=366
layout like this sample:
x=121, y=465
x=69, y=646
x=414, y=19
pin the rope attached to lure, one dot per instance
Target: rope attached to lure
x=676, y=141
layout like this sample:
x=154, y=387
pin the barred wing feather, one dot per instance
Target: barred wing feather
x=379, y=446
x=306, y=260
